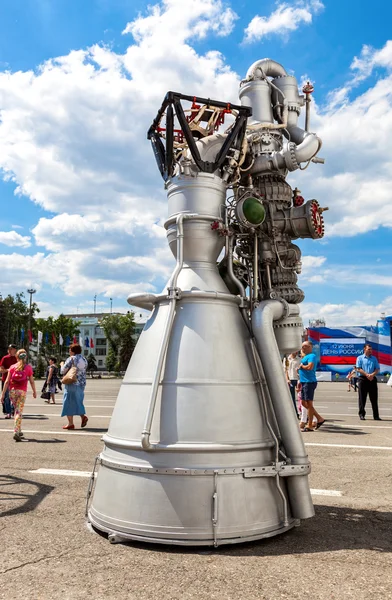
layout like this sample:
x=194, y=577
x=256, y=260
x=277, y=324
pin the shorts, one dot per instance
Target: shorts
x=308, y=390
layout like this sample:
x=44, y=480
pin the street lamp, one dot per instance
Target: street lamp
x=31, y=292
x=95, y=303
x=111, y=304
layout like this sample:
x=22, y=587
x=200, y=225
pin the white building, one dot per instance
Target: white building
x=92, y=332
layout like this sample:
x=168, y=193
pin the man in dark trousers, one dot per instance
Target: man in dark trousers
x=5, y=363
x=367, y=367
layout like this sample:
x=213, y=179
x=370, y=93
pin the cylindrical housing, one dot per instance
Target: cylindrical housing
x=257, y=95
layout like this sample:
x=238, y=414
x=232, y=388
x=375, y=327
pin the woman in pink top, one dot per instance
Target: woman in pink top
x=17, y=379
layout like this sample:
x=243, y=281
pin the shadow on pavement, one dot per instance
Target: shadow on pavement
x=329, y=427
x=22, y=494
x=47, y=441
x=35, y=417
x=334, y=528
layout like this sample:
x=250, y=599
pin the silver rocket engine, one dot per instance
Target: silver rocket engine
x=203, y=446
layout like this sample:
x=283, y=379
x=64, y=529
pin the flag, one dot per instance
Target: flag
x=87, y=343
x=29, y=335
x=22, y=334
x=46, y=337
x=91, y=343
x=75, y=340
x=54, y=341
x=80, y=341
x=61, y=341
x=67, y=340
x=40, y=337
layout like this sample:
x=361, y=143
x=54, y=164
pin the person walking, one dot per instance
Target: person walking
x=18, y=377
x=51, y=379
x=5, y=363
x=307, y=377
x=291, y=364
x=74, y=392
x=367, y=367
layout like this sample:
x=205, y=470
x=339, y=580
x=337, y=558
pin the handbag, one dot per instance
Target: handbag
x=71, y=376
x=45, y=395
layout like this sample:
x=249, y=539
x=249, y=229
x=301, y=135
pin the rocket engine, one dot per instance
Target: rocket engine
x=203, y=446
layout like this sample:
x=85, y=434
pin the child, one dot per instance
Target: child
x=17, y=379
x=352, y=380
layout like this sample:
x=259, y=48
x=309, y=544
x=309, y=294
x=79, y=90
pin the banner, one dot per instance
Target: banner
x=340, y=351
x=61, y=341
x=91, y=343
x=40, y=337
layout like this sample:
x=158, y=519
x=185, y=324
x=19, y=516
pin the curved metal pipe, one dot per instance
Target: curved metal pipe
x=308, y=148
x=263, y=317
x=271, y=68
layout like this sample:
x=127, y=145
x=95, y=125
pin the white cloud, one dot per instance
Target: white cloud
x=286, y=18
x=171, y=21
x=73, y=139
x=371, y=58
x=356, y=313
x=11, y=238
x=356, y=179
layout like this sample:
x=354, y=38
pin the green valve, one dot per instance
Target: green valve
x=254, y=211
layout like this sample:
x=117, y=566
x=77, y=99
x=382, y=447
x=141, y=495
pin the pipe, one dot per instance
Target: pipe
x=230, y=270
x=269, y=67
x=145, y=438
x=263, y=317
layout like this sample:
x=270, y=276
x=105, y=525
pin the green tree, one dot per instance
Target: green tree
x=64, y=326
x=3, y=329
x=40, y=369
x=91, y=364
x=15, y=317
x=119, y=330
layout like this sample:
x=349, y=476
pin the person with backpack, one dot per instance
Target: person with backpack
x=19, y=375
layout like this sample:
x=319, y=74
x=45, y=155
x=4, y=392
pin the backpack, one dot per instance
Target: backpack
x=18, y=377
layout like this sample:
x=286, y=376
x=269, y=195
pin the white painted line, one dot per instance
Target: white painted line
x=327, y=414
x=59, y=432
x=350, y=446
x=361, y=426
x=58, y=415
x=316, y=492
x=65, y=472
x=60, y=404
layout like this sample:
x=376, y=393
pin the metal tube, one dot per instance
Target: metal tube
x=230, y=271
x=307, y=112
x=261, y=379
x=145, y=438
x=262, y=321
x=256, y=269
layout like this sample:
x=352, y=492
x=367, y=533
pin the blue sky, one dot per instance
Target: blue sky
x=82, y=202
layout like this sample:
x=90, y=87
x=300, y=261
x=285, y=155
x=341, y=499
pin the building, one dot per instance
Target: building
x=93, y=337
x=337, y=349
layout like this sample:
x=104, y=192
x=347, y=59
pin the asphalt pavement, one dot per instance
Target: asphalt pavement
x=49, y=552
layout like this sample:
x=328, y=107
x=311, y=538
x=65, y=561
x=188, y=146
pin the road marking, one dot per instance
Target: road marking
x=65, y=472
x=324, y=492
x=361, y=426
x=60, y=404
x=65, y=432
x=350, y=446
x=58, y=415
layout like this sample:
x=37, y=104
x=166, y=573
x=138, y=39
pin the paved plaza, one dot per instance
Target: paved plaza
x=345, y=551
